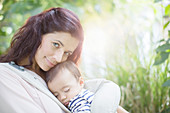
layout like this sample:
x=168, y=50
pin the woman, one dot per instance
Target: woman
x=45, y=40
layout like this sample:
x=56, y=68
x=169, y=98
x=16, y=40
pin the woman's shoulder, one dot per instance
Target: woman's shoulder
x=10, y=69
x=4, y=65
x=6, y=70
x=10, y=66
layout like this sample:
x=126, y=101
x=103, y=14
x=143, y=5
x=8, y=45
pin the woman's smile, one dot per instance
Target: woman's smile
x=49, y=63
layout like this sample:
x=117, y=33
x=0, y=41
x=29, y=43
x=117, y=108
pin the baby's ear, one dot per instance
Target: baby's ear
x=81, y=81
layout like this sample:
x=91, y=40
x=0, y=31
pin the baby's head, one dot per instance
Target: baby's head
x=65, y=81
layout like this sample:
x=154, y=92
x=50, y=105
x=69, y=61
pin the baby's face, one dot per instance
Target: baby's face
x=65, y=86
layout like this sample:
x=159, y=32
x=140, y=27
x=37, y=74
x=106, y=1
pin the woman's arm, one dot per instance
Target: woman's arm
x=107, y=95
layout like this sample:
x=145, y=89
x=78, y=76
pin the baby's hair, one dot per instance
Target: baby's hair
x=69, y=65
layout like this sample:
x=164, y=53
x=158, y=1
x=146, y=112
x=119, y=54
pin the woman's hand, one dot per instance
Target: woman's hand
x=121, y=110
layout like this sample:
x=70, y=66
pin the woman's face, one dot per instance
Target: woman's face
x=55, y=48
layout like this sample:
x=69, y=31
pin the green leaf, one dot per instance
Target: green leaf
x=157, y=1
x=166, y=25
x=161, y=40
x=2, y=33
x=168, y=41
x=167, y=10
x=163, y=48
x=166, y=110
x=160, y=58
x=167, y=83
x=141, y=70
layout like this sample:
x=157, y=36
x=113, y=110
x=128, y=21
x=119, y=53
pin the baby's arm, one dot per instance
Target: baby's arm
x=81, y=103
x=83, y=109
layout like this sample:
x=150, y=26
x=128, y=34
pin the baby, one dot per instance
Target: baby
x=66, y=83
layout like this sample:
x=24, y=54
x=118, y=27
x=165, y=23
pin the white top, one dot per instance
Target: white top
x=26, y=92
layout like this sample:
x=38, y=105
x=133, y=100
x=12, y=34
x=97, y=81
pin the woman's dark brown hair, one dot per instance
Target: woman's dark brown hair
x=28, y=38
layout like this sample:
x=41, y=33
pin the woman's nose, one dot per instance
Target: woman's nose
x=58, y=56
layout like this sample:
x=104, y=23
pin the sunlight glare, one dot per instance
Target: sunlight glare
x=95, y=40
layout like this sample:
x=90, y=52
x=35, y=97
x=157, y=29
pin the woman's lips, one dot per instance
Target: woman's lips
x=49, y=63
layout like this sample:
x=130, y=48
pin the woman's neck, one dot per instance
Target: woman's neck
x=37, y=70
x=34, y=67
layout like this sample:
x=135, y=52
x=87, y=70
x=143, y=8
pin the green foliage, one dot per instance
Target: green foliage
x=163, y=52
x=166, y=24
x=14, y=14
x=166, y=110
x=167, y=83
x=157, y=0
x=141, y=86
x=167, y=10
x=141, y=81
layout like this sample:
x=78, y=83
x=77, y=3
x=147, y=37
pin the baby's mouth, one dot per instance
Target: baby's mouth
x=66, y=104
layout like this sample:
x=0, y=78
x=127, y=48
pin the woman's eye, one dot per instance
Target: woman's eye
x=56, y=45
x=67, y=53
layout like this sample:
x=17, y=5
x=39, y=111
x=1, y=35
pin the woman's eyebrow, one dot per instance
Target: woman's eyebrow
x=60, y=42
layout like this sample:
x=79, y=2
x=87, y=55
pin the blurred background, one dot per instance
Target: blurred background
x=126, y=41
